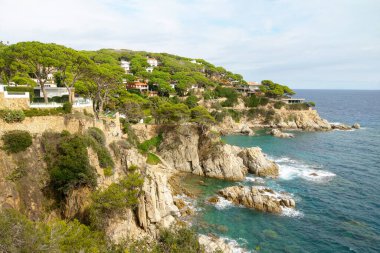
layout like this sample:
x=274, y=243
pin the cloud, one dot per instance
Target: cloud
x=305, y=44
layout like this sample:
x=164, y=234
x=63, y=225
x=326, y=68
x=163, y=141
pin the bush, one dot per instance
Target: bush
x=297, y=107
x=115, y=198
x=254, y=101
x=16, y=141
x=11, y=116
x=235, y=115
x=219, y=116
x=97, y=134
x=19, y=234
x=279, y=104
x=108, y=172
x=152, y=159
x=150, y=144
x=104, y=156
x=68, y=163
x=67, y=107
x=43, y=112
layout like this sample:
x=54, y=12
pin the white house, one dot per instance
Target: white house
x=125, y=65
x=152, y=62
x=149, y=69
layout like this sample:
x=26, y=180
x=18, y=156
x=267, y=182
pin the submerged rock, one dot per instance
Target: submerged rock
x=278, y=133
x=258, y=197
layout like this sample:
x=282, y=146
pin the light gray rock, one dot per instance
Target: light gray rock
x=213, y=244
x=341, y=127
x=356, y=126
x=246, y=130
x=256, y=162
x=277, y=133
x=258, y=197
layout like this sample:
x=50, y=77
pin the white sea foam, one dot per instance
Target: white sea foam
x=235, y=246
x=290, y=212
x=223, y=203
x=257, y=180
x=290, y=169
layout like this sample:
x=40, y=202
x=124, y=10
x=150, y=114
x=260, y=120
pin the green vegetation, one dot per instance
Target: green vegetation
x=279, y=104
x=97, y=134
x=275, y=90
x=152, y=159
x=11, y=116
x=67, y=107
x=19, y=234
x=115, y=198
x=229, y=93
x=150, y=144
x=254, y=101
x=43, y=112
x=67, y=162
x=16, y=141
x=298, y=107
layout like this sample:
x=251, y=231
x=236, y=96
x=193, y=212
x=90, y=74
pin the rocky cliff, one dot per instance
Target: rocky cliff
x=187, y=148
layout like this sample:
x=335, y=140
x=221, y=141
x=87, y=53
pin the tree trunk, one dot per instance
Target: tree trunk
x=70, y=95
x=42, y=85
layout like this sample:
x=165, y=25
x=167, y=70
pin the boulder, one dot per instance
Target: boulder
x=246, y=130
x=257, y=163
x=258, y=197
x=356, y=126
x=212, y=244
x=277, y=133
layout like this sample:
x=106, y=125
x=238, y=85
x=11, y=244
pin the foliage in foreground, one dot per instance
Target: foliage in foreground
x=16, y=141
x=19, y=234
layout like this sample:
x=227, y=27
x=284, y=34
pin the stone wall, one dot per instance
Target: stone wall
x=73, y=123
x=13, y=103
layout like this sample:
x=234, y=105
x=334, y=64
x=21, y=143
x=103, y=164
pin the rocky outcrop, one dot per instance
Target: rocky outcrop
x=341, y=127
x=187, y=149
x=256, y=162
x=245, y=130
x=258, y=197
x=308, y=120
x=356, y=126
x=279, y=134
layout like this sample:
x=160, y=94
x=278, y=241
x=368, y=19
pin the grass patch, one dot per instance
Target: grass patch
x=152, y=159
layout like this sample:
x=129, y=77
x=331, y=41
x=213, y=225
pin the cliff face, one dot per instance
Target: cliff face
x=24, y=181
x=187, y=149
x=307, y=120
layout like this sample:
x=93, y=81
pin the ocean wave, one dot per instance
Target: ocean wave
x=290, y=169
x=257, y=180
x=223, y=203
x=290, y=212
x=235, y=245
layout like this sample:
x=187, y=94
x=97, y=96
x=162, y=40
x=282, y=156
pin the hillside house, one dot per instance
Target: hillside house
x=249, y=88
x=125, y=65
x=152, y=62
x=137, y=85
x=149, y=69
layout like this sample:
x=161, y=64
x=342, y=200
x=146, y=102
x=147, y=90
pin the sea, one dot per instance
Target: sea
x=337, y=211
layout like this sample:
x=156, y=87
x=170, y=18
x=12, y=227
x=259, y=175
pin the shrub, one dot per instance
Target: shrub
x=269, y=115
x=127, y=129
x=43, y=112
x=152, y=159
x=104, y=156
x=11, y=116
x=115, y=198
x=67, y=107
x=97, y=134
x=297, y=107
x=150, y=144
x=108, y=172
x=68, y=163
x=235, y=115
x=254, y=101
x=279, y=104
x=16, y=141
x=19, y=234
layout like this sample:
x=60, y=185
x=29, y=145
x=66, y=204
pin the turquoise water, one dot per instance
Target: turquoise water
x=338, y=210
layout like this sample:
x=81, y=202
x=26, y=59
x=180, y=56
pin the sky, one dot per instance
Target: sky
x=309, y=44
